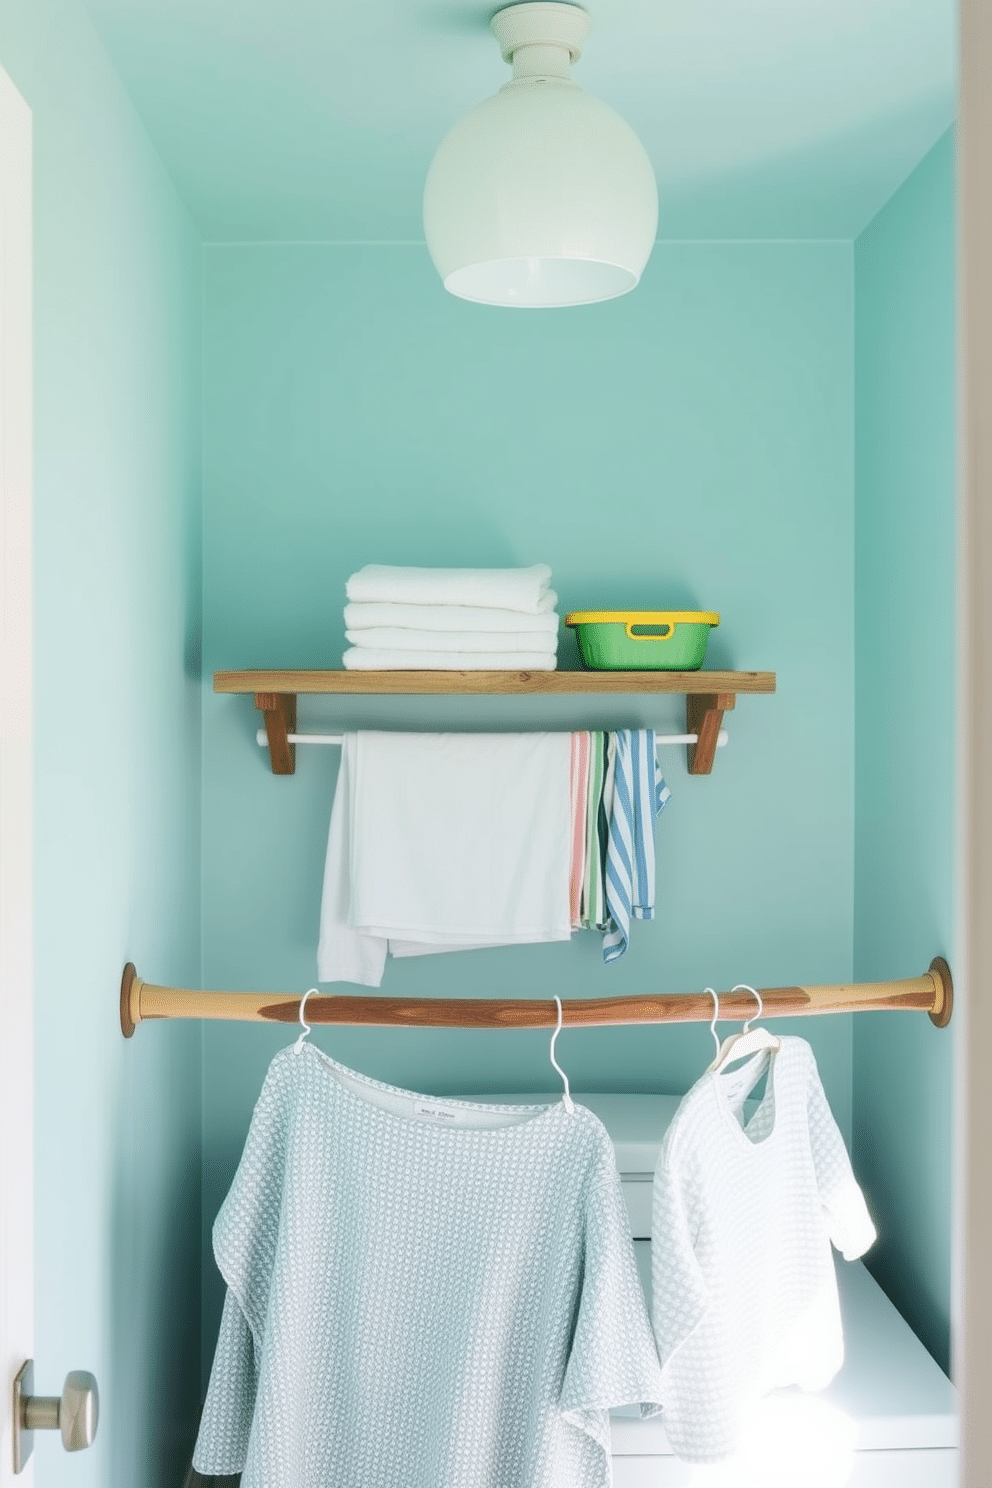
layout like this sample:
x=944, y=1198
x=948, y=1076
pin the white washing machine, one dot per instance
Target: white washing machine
x=889, y=1419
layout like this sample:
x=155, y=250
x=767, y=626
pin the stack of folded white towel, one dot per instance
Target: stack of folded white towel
x=437, y=619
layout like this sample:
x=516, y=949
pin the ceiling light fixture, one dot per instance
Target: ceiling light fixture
x=541, y=195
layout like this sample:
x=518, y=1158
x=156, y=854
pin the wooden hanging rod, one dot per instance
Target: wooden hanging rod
x=932, y=993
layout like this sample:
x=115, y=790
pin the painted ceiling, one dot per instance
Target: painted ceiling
x=297, y=120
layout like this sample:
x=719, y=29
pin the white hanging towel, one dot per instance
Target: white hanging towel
x=444, y=841
x=523, y=589
x=452, y=617
x=344, y=953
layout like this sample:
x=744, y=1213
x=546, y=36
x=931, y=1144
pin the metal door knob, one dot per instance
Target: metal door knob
x=75, y=1413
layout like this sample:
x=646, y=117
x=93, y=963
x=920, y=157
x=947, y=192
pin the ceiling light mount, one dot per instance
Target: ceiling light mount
x=540, y=196
x=542, y=38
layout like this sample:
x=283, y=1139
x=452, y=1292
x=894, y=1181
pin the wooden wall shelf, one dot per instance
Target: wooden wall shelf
x=708, y=696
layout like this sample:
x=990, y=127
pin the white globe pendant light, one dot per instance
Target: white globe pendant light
x=540, y=196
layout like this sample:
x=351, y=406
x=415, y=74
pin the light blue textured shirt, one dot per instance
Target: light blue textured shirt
x=422, y=1293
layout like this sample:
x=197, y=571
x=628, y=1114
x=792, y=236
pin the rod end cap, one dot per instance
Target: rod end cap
x=940, y=1016
x=130, y=990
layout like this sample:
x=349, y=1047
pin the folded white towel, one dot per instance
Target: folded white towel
x=367, y=658
x=451, y=617
x=501, y=588
x=394, y=638
x=403, y=867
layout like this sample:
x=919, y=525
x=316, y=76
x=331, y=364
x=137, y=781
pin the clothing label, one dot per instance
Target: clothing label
x=738, y=1084
x=434, y=1112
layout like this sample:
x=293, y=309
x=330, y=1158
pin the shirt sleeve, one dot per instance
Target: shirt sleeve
x=680, y=1296
x=849, y=1224
x=245, y=1236
x=246, y=1230
x=222, y=1441
x=613, y=1360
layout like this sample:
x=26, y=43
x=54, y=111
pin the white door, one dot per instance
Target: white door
x=16, y=989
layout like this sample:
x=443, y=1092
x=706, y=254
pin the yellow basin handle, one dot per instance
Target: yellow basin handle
x=669, y=632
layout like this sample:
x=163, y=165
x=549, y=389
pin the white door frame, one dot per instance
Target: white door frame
x=973, y=1353
x=16, y=814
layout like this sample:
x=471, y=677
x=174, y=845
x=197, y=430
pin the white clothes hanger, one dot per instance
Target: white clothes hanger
x=716, y=1014
x=566, y=1099
x=303, y=1022
x=748, y=1041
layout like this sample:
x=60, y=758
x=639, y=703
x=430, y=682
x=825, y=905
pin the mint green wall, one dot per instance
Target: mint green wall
x=692, y=445
x=117, y=719
x=905, y=794
x=688, y=445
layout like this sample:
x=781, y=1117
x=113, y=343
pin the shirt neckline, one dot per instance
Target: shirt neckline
x=531, y=1114
x=771, y=1094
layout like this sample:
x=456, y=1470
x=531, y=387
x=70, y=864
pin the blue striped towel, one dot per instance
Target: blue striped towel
x=639, y=794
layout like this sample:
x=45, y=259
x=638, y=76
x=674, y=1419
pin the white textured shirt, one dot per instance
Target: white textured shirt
x=422, y=1293
x=744, y=1288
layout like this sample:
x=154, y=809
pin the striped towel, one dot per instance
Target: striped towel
x=639, y=795
x=593, y=915
x=603, y=817
x=578, y=790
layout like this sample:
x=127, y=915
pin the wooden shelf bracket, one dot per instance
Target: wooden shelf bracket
x=279, y=711
x=703, y=717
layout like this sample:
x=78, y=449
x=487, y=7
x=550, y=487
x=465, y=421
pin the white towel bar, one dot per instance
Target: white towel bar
x=262, y=738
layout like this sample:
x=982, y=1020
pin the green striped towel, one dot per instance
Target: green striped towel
x=594, y=912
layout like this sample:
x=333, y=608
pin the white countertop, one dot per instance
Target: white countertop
x=890, y=1389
